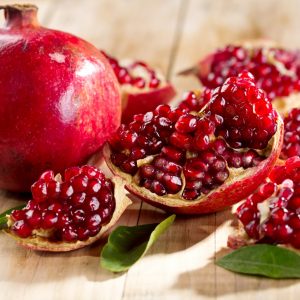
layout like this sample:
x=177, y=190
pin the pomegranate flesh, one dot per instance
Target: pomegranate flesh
x=194, y=162
x=69, y=212
x=142, y=87
x=60, y=99
x=276, y=70
x=272, y=213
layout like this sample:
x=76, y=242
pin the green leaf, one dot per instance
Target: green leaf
x=265, y=260
x=3, y=218
x=126, y=245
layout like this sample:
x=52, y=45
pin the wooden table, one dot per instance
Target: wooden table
x=171, y=35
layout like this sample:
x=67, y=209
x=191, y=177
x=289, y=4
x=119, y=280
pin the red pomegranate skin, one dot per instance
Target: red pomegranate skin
x=59, y=100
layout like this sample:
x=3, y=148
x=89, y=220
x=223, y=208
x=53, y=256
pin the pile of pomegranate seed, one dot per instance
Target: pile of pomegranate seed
x=74, y=209
x=291, y=143
x=195, y=101
x=137, y=74
x=163, y=147
x=276, y=71
x=272, y=213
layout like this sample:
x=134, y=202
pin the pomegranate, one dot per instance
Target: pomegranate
x=70, y=212
x=291, y=141
x=272, y=213
x=200, y=161
x=142, y=87
x=60, y=99
x=276, y=70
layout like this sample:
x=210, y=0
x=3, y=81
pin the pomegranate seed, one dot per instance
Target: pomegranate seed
x=93, y=186
x=39, y=191
x=69, y=233
x=71, y=172
x=158, y=188
x=49, y=219
x=93, y=222
x=83, y=234
x=186, y=123
x=154, y=83
x=34, y=218
x=22, y=229
x=172, y=183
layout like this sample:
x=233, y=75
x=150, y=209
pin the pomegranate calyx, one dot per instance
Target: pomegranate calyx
x=20, y=15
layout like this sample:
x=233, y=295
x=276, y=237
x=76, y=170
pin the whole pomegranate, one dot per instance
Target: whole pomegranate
x=272, y=213
x=276, y=70
x=194, y=161
x=59, y=99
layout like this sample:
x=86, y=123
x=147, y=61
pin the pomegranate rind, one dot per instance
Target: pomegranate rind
x=43, y=244
x=136, y=101
x=240, y=184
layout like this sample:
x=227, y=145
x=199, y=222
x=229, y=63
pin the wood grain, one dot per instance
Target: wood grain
x=171, y=35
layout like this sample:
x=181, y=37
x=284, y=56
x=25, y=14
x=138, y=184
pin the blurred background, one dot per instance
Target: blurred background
x=172, y=34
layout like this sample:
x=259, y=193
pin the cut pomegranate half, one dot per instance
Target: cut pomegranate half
x=142, y=87
x=200, y=161
x=272, y=213
x=276, y=70
x=70, y=212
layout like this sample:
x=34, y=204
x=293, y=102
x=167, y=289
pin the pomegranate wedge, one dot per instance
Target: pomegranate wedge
x=195, y=162
x=70, y=212
x=276, y=70
x=272, y=213
x=142, y=87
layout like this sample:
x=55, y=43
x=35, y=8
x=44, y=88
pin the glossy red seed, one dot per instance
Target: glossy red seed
x=83, y=233
x=21, y=228
x=78, y=216
x=69, y=233
x=93, y=222
x=18, y=215
x=93, y=187
x=49, y=220
x=172, y=183
x=92, y=204
x=71, y=172
x=39, y=191
x=34, y=218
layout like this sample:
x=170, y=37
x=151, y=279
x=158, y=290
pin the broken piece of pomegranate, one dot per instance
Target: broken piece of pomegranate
x=272, y=213
x=194, y=162
x=276, y=70
x=142, y=87
x=69, y=212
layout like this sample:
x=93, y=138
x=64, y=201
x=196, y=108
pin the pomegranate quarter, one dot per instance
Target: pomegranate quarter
x=59, y=99
x=142, y=87
x=194, y=162
x=69, y=212
x=276, y=70
x=272, y=213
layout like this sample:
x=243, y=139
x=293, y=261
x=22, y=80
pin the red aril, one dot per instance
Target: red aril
x=195, y=161
x=142, y=87
x=59, y=96
x=276, y=70
x=291, y=141
x=85, y=205
x=272, y=213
